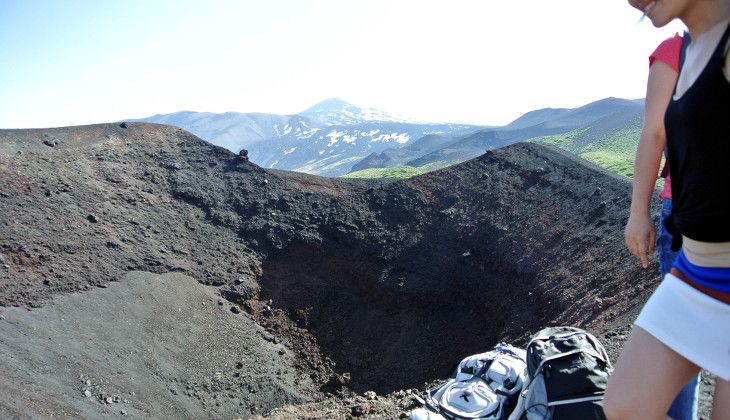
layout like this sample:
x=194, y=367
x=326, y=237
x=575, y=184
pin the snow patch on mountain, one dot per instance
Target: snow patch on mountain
x=400, y=138
x=334, y=137
x=308, y=133
x=335, y=111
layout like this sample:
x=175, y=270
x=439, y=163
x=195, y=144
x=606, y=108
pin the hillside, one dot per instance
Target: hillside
x=604, y=132
x=610, y=143
x=155, y=270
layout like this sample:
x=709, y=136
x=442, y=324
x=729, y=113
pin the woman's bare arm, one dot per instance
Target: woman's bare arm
x=640, y=233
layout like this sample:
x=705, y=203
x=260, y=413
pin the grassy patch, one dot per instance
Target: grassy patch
x=398, y=172
x=564, y=140
x=615, y=162
x=613, y=151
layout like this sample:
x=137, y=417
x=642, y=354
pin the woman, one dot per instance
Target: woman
x=685, y=325
x=640, y=232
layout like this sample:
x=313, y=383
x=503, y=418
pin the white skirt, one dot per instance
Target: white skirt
x=691, y=323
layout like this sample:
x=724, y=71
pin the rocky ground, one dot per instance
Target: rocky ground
x=145, y=345
x=313, y=297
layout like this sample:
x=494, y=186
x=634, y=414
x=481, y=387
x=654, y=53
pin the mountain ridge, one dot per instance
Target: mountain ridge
x=530, y=127
x=334, y=137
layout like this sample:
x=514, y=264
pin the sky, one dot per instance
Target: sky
x=75, y=62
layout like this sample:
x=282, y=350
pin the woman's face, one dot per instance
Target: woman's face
x=661, y=12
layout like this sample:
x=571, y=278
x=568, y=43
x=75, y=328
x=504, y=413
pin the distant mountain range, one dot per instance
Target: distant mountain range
x=334, y=137
x=326, y=139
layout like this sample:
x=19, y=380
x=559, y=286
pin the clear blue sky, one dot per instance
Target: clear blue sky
x=71, y=62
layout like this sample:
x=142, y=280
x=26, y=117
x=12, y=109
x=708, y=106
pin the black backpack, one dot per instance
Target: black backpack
x=567, y=373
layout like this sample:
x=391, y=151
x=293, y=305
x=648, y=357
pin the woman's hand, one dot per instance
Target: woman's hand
x=640, y=237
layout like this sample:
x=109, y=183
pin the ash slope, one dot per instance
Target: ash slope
x=359, y=276
x=146, y=345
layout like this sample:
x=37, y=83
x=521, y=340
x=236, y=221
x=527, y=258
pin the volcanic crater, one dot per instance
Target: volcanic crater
x=226, y=290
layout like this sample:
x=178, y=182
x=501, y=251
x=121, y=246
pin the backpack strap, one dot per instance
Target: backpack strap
x=598, y=397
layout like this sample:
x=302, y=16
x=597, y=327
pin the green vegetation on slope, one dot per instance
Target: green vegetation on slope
x=611, y=161
x=565, y=141
x=614, y=150
x=397, y=172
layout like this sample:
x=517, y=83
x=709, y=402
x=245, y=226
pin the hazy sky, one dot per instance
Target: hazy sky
x=67, y=62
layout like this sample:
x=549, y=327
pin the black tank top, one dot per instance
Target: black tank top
x=698, y=142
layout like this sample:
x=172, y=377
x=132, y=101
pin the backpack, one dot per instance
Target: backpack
x=484, y=386
x=567, y=373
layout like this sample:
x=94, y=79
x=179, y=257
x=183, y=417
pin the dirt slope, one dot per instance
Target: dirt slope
x=143, y=346
x=352, y=277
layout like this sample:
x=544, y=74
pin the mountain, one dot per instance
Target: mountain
x=565, y=119
x=335, y=111
x=232, y=130
x=325, y=139
x=594, y=126
x=332, y=150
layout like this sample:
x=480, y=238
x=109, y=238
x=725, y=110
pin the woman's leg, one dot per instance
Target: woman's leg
x=721, y=403
x=648, y=376
x=684, y=406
